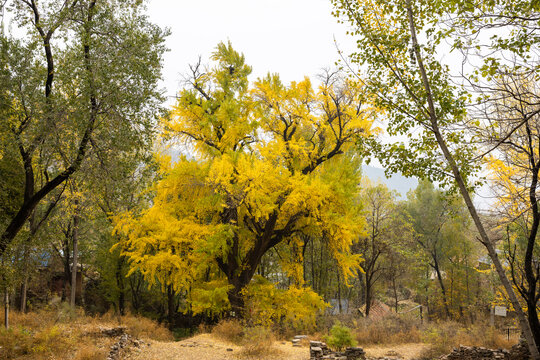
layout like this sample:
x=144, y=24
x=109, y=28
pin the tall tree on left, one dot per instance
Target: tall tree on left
x=82, y=79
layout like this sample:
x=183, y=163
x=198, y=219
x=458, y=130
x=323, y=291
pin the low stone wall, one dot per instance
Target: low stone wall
x=517, y=352
x=319, y=350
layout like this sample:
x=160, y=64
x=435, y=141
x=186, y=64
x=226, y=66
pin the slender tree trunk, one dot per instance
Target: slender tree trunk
x=170, y=306
x=339, y=292
x=443, y=288
x=368, y=295
x=67, y=272
x=362, y=290
x=24, y=290
x=121, y=286
x=6, y=308
x=313, y=279
x=75, y=237
x=135, y=285
x=395, y=293
x=460, y=181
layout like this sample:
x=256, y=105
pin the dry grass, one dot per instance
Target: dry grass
x=140, y=327
x=91, y=352
x=62, y=333
x=229, y=330
x=444, y=336
x=390, y=330
x=36, y=342
x=404, y=351
x=258, y=343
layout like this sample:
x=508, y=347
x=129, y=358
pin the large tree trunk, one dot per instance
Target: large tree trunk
x=532, y=313
x=237, y=302
x=530, y=275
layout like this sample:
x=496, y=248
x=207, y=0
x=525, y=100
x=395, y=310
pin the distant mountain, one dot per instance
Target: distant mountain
x=396, y=182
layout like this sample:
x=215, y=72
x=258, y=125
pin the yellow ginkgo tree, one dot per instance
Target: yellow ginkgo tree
x=269, y=164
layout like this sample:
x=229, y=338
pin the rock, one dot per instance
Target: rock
x=318, y=351
x=125, y=341
x=229, y=349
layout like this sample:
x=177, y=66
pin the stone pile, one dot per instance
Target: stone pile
x=476, y=353
x=518, y=352
x=297, y=339
x=352, y=353
x=319, y=351
x=125, y=342
x=113, y=332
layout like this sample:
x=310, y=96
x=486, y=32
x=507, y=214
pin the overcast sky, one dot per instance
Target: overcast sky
x=294, y=38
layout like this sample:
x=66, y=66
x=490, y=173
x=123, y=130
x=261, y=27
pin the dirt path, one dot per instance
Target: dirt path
x=404, y=351
x=207, y=347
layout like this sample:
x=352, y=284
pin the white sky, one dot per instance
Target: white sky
x=294, y=38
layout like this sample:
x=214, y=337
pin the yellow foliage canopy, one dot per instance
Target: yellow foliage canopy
x=270, y=163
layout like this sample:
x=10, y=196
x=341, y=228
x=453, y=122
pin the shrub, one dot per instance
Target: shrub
x=19, y=341
x=229, y=330
x=340, y=337
x=257, y=342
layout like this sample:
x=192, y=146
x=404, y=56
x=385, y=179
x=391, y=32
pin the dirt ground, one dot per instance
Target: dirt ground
x=207, y=347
